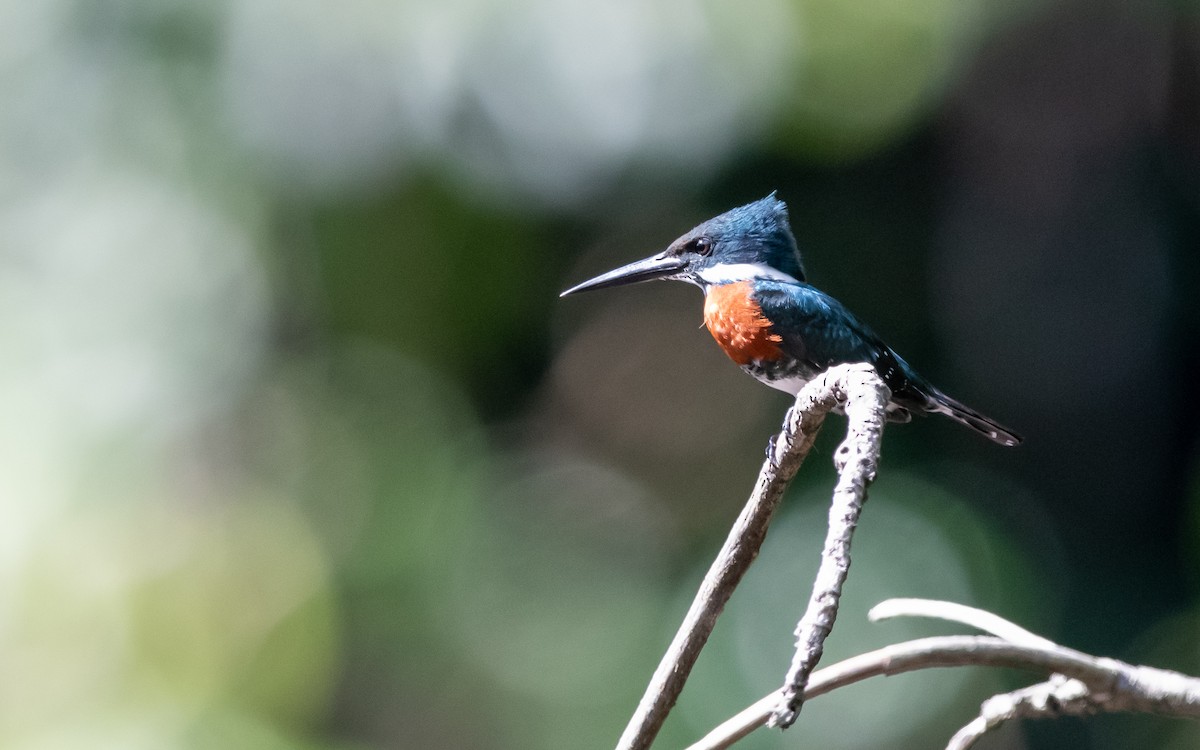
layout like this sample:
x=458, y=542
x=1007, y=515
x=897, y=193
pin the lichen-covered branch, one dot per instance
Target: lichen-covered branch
x=850, y=387
x=856, y=460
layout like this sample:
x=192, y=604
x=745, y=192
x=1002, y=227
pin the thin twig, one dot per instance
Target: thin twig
x=980, y=619
x=1056, y=696
x=857, y=459
x=1113, y=685
x=787, y=452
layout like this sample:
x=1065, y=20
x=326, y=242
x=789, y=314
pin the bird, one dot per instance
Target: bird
x=771, y=322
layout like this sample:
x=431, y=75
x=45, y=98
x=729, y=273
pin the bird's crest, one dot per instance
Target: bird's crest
x=757, y=232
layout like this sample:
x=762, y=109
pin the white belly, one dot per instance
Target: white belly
x=790, y=385
x=793, y=384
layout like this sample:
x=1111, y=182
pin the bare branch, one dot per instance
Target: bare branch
x=785, y=455
x=1057, y=696
x=1056, y=691
x=856, y=460
x=1110, y=685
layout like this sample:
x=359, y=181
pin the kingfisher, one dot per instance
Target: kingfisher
x=774, y=324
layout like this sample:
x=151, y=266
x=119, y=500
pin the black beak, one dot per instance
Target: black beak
x=656, y=267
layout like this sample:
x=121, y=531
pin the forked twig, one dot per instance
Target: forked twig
x=856, y=389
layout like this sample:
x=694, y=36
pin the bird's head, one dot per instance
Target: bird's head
x=748, y=242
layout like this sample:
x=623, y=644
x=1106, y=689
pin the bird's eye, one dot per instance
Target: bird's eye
x=700, y=246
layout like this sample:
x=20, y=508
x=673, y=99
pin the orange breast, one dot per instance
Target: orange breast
x=738, y=324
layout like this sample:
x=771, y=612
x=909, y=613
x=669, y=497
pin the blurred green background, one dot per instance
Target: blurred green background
x=300, y=449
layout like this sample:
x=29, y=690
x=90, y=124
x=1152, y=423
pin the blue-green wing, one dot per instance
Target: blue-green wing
x=819, y=330
x=816, y=329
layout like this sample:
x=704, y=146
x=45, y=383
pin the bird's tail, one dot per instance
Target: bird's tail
x=960, y=412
